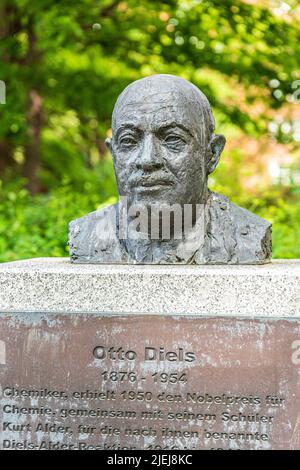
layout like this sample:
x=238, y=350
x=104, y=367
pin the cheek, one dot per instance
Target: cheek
x=126, y=155
x=188, y=165
x=124, y=164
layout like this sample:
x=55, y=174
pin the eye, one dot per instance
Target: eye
x=128, y=141
x=174, y=142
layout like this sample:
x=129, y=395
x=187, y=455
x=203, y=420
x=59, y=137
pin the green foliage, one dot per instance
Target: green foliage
x=38, y=226
x=77, y=66
x=78, y=56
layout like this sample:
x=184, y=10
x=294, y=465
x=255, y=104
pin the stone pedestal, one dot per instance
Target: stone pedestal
x=149, y=357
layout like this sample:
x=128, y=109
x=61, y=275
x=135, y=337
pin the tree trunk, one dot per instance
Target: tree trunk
x=8, y=26
x=6, y=155
x=32, y=148
x=34, y=118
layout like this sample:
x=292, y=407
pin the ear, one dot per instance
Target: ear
x=108, y=143
x=217, y=145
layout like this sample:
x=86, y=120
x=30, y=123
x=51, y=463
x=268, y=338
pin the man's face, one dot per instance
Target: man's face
x=159, y=150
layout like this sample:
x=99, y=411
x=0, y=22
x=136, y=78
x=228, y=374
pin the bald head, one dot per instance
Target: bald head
x=152, y=93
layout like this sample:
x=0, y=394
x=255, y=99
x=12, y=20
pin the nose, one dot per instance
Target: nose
x=149, y=158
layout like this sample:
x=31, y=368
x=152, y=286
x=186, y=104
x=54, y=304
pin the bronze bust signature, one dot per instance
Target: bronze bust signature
x=164, y=147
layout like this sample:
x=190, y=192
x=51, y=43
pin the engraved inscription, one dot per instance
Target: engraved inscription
x=150, y=354
x=94, y=383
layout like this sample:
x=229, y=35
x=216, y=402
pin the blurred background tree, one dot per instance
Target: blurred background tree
x=65, y=63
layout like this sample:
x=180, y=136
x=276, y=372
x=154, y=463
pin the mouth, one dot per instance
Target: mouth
x=148, y=183
x=154, y=183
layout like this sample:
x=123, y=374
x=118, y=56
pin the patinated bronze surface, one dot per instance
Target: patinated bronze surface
x=164, y=148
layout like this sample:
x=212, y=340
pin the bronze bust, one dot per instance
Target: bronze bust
x=164, y=147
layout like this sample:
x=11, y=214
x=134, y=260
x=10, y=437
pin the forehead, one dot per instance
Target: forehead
x=153, y=111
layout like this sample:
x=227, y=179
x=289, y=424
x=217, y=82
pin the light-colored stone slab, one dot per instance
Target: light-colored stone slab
x=55, y=285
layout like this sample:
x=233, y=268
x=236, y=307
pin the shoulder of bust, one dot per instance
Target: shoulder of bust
x=93, y=217
x=92, y=236
x=251, y=235
x=241, y=215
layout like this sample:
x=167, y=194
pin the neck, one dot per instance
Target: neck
x=156, y=235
